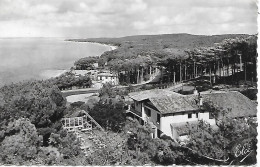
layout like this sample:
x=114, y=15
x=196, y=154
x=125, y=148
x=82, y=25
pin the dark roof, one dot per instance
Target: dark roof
x=174, y=104
x=106, y=75
x=153, y=93
x=241, y=105
x=170, y=102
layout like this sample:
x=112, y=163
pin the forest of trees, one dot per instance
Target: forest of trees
x=69, y=80
x=86, y=63
x=30, y=128
x=31, y=131
x=181, y=56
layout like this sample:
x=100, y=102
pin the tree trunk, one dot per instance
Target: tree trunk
x=128, y=77
x=228, y=67
x=254, y=69
x=252, y=72
x=142, y=74
x=245, y=70
x=138, y=75
x=210, y=76
x=150, y=72
x=219, y=72
x=240, y=61
x=180, y=73
x=194, y=69
x=222, y=67
x=161, y=78
x=185, y=71
x=174, y=77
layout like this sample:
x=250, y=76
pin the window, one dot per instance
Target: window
x=106, y=77
x=100, y=78
x=211, y=115
x=148, y=112
x=136, y=103
x=197, y=115
x=158, y=133
x=158, y=118
x=190, y=115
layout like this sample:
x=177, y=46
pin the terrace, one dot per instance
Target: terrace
x=134, y=111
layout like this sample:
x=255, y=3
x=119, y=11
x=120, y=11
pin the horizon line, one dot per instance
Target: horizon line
x=127, y=35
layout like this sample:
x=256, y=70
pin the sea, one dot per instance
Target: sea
x=23, y=59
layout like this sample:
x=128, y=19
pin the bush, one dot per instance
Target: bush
x=185, y=92
x=250, y=93
x=109, y=116
x=21, y=142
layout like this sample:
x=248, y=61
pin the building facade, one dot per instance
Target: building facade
x=166, y=111
x=108, y=78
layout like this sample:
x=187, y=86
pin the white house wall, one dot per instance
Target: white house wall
x=205, y=116
x=113, y=80
x=180, y=118
x=166, y=121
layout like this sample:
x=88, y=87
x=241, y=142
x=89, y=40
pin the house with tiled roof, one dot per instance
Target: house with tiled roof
x=167, y=111
x=107, y=77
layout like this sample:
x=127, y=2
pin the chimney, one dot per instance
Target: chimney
x=200, y=101
x=195, y=92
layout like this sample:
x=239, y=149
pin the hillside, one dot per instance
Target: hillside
x=177, y=42
x=139, y=54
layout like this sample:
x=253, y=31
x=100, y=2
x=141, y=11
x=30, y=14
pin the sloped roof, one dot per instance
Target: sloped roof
x=106, y=74
x=174, y=104
x=241, y=105
x=153, y=93
x=170, y=102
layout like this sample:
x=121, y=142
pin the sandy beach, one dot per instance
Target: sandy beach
x=55, y=73
x=46, y=74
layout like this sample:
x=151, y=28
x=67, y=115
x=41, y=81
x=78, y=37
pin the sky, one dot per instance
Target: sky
x=117, y=18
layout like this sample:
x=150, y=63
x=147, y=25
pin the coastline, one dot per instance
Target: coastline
x=52, y=73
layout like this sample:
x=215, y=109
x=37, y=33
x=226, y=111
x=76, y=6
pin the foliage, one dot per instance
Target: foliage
x=170, y=50
x=106, y=91
x=31, y=131
x=159, y=151
x=217, y=142
x=109, y=116
x=68, y=80
x=250, y=93
x=86, y=63
x=21, y=142
x=39, y=101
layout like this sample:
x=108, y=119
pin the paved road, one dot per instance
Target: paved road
x=95, y=90
x=79, y=91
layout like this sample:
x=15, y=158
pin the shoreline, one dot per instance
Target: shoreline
x=52, y=73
